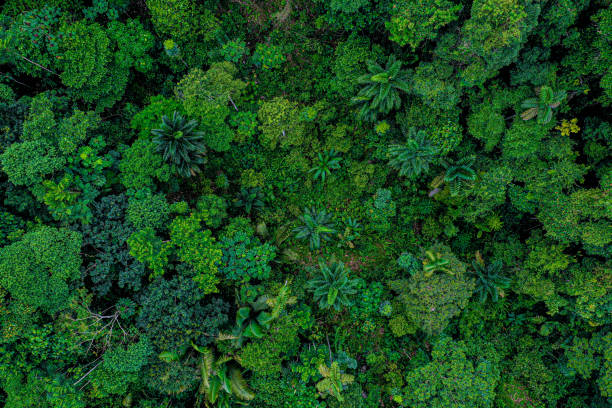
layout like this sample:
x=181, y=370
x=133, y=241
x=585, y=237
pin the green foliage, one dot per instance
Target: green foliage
x=151, y=115
x=107, y=234
x=234, y=50
x=206, y=95
x=431, y=300
x=149, y=249
x=381, y=209
x=197, y=248
x=415, y=21
x=332, y=287
x=250, y=198
x=213, y=209
x=333, y=381
x=146, y=210
x=459, y=176
x=351, y=57
x=280, y=124
x=268, y=56
x=171, y=325
x=218, y=376
x=245, y=258
x=543, y=105
x=325, y=163
x=26, y=163
x=490, y=281
x=37, y=268
x=317, y=226
x=192, y=26
x=96, y=62
x=409, y=263
x=141, y=165
x=141, y=174
x=413, y=158
x=120, y=367
x=180, y=144
x=451, y=379
x=381, y=89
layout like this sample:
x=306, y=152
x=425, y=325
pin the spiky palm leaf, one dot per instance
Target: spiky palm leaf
x=332, y=287
x=180, y=144
x=380, y=91
x=413, y=157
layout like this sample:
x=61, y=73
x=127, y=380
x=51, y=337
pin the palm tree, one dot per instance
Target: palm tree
x=318, y=226
x=413, y=157
x=180, y=144
x=380, y=93
x=333, y=381
x=332, y=288
x=250, y=198
x=459, y=175
x=221, y=381
x=489, y=279
x=543, y=105
x=434, y=263
x=327, y=161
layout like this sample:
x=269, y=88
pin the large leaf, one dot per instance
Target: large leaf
x=253, y=329
x=168, y=356
x=242, y=314
x=332, y=295
x=239, y=386
x=264, y=319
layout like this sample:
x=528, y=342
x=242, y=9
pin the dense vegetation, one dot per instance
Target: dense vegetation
x=306, y=203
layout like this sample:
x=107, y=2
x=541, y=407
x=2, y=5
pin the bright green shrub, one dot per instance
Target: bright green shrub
x=451, y=379
x=280, y=124
x=245, y=258
x=414, y=21
x=37, y=268
x=141, y=165
x=146, y=210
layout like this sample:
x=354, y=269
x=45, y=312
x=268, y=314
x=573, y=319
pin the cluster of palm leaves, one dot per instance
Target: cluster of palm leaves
x=490, y=282
x=333, y=381
x=381, y=86
x=415, y=156
x=317, y=226
x=332, y=286
x=434, y=262
x=459, y=175
x=250, y=199
x=220, y=381
x=180, y=144
x=542, y=106
x=325, y=163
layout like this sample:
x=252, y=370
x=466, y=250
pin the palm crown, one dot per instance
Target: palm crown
x=489, y=280
x=318, y=226
x=180, y=144
x=332, y=287
x=380, y=93
x=543, y=105
x=459, y=175
x=413, y=157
